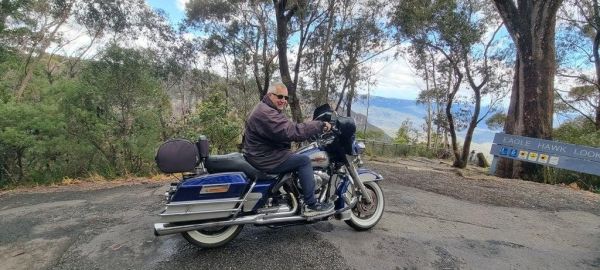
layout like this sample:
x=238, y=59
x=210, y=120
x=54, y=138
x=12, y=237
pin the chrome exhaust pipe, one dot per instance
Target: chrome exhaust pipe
x=167, y=228
x=261, y=219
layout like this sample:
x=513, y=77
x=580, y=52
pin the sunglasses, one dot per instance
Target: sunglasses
x=281, y=96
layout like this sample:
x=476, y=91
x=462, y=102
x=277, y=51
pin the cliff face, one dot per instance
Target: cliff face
x=361, y=120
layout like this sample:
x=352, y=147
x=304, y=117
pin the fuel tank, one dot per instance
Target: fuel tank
x=318, y=157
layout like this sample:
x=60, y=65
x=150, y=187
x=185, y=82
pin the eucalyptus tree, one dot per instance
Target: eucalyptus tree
x=320, y=54
x=457, y=31
x=11, y=11
x=406, y=133
x=531, y=25
x=427, y=66
x=42, y=25
x=578, y=49
x=174, y=60
x=42, y=20
x=240, y=35
x=295, y=19
x=114, y=110
x=360, y=38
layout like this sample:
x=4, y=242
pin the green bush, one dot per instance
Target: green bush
x=216, y=120
x=376, y=148
x=582, y=132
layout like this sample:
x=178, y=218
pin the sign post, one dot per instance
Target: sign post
x=573, y=157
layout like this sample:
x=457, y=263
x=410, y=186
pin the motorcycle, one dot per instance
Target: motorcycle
x=219, y=194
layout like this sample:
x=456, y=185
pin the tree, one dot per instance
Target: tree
x=456, y=31
x=406, y=133
x=576, y=131
x=434, y=95
x=37, y=27
x=321, y=57
x=496, y=120
x=578, y=47
x=283, y=15
x=240, y=37
x=28, y=132
x=531, y=25
x=218, y=122
x=116, y=110
x=361, y=39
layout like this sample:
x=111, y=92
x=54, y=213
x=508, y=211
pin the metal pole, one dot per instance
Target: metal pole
x=494, y=164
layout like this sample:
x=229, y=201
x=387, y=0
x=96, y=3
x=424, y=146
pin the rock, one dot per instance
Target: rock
x=482, y=161
x=574, y=186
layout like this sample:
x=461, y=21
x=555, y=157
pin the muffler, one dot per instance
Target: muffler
x=168, y=228
x=261, y=219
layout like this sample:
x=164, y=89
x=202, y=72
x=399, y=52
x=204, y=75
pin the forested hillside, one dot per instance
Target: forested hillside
x=102, y=106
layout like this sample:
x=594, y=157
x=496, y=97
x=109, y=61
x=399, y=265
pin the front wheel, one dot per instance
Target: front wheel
x=213, y=237
x=364, y=216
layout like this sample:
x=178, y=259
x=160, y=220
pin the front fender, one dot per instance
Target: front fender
x=367, y=175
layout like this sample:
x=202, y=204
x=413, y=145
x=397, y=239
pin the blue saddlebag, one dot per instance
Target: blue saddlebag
x=206, y=197
x=212, y=186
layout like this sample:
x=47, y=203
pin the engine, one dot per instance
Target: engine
x=321, y=179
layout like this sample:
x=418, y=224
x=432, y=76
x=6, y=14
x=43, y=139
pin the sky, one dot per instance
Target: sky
x=394, y=77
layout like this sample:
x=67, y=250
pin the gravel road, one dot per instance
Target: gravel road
x=436, y=218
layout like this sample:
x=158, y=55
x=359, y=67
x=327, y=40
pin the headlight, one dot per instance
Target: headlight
x=360, y=148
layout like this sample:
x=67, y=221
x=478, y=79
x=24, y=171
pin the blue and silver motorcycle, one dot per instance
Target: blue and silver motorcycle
x=220, y=194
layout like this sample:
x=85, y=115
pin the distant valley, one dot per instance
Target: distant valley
x=388, y=113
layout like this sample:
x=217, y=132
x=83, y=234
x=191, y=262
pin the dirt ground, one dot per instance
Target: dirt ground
x=473, y=184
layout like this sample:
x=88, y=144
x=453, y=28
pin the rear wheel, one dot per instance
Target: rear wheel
x=364, y=216
x=213, y=237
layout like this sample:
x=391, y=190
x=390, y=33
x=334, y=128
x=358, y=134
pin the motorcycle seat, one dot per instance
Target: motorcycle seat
x=234, y=162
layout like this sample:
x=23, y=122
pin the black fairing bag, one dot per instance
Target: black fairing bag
x=177, y=156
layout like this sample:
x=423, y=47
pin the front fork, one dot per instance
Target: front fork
x=356, y=182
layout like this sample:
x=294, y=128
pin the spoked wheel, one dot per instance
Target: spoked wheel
x=213, y=237
x=364, y=216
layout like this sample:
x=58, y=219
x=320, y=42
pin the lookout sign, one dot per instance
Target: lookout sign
x=545, y=152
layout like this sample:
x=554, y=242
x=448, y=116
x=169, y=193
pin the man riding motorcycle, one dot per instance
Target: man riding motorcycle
x=267, y=138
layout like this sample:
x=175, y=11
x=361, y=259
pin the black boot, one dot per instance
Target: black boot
x=318, y=209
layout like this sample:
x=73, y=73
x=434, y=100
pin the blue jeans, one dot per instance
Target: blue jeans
x=300, y=163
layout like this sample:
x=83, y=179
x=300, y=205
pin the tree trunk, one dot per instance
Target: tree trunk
x=259, y=85
x=284, y=69
x=344, y=86
x=41, y=51
x=349, y=99
x=323, y=94
x=469, y=136
x=428, y=118
x=267, y=66
x=596, y=46
x=532, y=27
x=20, y=153
x=305, y=26
x=367, y=114
x=458, y=160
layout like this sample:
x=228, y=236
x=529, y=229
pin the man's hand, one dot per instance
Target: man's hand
x=327, y=127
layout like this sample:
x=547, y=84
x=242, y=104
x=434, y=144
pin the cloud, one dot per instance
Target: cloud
x=76, y=42
x=181, y=4
x=395, y=78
